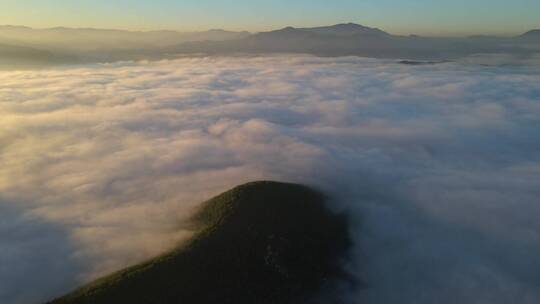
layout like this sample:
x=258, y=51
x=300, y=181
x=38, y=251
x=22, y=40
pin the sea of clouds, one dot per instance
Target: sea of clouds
x=438, y=166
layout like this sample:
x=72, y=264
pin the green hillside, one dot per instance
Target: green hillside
x=262, y=242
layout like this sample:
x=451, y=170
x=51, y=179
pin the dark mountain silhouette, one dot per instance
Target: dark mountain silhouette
x=262, y=242
x=21, y=56
x=341, y=39
x=532, y=34
x=356, y=40
x=347, y=29
x=14, y=51
x=89, y=45
x=348, y=39
x=90, y=39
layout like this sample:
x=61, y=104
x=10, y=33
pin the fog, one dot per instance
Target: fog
x=436, y=165
x=24, y=47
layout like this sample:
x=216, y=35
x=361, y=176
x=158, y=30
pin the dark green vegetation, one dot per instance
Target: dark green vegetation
x=262, y=242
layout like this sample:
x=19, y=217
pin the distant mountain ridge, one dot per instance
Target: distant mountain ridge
x=346, y=29
x=350, y=39
x=21, y=56
x=337, y=29
x=86, y=45
x=532, y=34
x=92, y=38
x=91, y=29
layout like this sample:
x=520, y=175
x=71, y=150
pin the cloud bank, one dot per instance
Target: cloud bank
x=437, y=165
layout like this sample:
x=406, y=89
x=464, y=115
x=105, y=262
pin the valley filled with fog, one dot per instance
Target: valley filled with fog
x=437, y=166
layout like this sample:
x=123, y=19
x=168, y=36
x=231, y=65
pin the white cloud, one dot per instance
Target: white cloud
x=436, y=164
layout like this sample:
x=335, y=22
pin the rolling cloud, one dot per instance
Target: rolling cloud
x=437, y=165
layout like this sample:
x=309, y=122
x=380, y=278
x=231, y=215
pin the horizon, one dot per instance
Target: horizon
x=447, y=35
x=415, y=121
x=426, y=18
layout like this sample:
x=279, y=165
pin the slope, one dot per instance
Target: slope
x=262, y=242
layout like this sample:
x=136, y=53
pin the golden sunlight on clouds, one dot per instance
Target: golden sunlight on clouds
x=111, y=159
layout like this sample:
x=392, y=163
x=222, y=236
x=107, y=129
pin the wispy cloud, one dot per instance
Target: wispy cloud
x=436, y=164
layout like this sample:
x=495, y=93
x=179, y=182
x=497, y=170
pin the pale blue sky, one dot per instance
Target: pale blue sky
x=447, y=17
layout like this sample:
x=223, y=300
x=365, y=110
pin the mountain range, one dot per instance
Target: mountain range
x=86, y=45
x=533, y=34
x=356, y=40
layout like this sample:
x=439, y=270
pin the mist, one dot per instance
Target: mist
x=436, y=166
x=24, y=47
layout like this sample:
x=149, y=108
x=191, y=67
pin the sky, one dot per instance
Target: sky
x=427, y=17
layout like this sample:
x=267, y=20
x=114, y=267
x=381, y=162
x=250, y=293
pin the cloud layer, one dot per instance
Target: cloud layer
x=437, y=166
